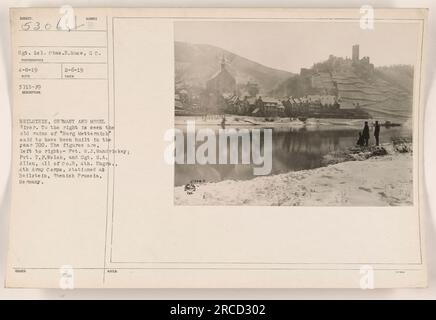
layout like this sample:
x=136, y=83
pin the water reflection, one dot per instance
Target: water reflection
x=293, y=149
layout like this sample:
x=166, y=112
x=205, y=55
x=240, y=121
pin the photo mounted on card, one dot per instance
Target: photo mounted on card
x=217, y=148
x=294, y=113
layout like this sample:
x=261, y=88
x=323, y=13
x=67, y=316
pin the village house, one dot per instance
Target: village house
x=272, y=106
x=268, y=106
x=310, y=104
x=240, y=105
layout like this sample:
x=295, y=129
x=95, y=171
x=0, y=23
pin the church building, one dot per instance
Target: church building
x=221, y=82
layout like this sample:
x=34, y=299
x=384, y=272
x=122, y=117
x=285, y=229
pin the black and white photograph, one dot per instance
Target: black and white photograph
x=218, y=152
x=294, y=113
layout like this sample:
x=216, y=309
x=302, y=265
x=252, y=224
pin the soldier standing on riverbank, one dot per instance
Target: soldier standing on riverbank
x=365, y=133
x=377, y=133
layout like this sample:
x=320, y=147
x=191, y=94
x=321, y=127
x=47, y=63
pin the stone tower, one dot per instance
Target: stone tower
x=355, y=53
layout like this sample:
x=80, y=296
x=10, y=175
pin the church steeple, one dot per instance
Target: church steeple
x=222, y=81
x=223, y=63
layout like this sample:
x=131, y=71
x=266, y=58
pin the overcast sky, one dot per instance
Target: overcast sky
x=292, y=45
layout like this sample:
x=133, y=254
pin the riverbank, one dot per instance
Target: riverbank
x=379, y=180
x=234, y=121
x=248, y=121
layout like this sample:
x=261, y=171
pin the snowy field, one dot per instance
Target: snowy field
x=378, y=181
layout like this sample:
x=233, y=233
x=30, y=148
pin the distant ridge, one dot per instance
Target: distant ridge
x=385, y=92
x=196, y=63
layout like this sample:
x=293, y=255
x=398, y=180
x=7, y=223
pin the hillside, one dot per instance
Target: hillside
x=385, y=92
x=196, y=63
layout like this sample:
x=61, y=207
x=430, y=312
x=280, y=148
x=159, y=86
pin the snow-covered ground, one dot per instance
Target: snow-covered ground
x=378, y=181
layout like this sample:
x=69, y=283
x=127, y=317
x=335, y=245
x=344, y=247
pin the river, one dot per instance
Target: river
x=293, y=148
